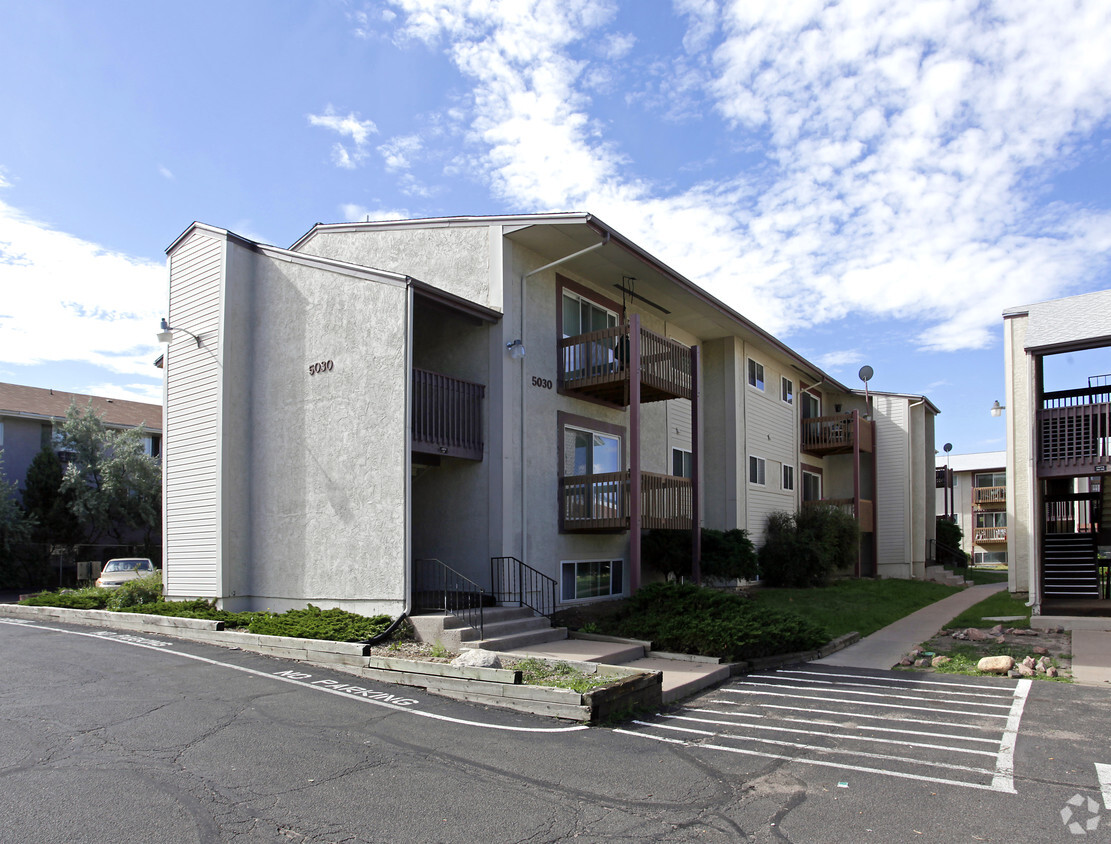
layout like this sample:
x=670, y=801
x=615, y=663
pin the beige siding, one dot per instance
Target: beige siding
x=770, y=433
x=892, y=513
x=191, y=452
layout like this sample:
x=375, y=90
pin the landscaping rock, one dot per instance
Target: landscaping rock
x=1025, y=670
x=996, y=631
x=939, y=660
x=1029, y=662
x=922, y=663
x=1001, y=640
x=477, y=658
x=1041, y=651
x=1051, y=672
x=976, y=635
x=959, y=634
x=906, y=662
x=995, y=664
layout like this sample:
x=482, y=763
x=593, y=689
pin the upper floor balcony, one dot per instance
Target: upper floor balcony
x=989, y=535
x=591, y=503
x=838, y=434
x=1074, y=432
x=989, y=496
x=446, y=416
x=599, y=365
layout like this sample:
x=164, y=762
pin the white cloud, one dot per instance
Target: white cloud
x=165, y=173
x=398, y=152
x=839, y=359
x=66, y=299
x=359, y=213
x=348, y=156
x=908, y=146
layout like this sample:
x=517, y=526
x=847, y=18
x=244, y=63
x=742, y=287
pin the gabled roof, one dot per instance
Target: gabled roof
x=1069, y=324
x=40, y=403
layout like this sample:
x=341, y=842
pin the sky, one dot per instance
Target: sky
x=872, y=182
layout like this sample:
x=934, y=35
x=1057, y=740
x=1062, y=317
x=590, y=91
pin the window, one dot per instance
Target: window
x=811, y=405
x=756, y=470
x=152, y=445
x=788, y=477
x=755, y=374
x=991, y=518
x=681, y=465
x=581, y=316
x=583, y=579
x=982, y=558
x=1, y=434
x=983, y=479
x=811, y=486
x=787, y=390
x=593, y=481
x=590, y=452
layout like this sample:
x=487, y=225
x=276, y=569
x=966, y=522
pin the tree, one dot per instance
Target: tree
x=114, y=486
x=47, y=504
x=15, y=531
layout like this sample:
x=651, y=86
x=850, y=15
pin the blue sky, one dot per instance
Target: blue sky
x=873, y=182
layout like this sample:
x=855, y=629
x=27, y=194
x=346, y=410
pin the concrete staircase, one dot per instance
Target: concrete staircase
x=503, y=629
x=939, y=574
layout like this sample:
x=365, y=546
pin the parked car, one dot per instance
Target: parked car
x=122, y=569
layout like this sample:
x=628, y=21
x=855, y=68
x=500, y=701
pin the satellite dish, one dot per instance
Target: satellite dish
x=948, y=447
x=866, y=373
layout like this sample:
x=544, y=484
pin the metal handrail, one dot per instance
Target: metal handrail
x=956, y=556
x=437, y=587
x=517, y=582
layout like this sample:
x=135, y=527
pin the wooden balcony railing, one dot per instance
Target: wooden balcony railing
x=834, y=434
x=990, y=534
x=601, y=502
x=447, y=415
x=865, y=517
x=988, y=495
x=1074, y=432
x=597, y=364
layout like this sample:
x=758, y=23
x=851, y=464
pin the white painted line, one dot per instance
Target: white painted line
x=901, y=743
x=910, y=680
x=886, y=717
x=858, y=703
x=902, y=732
x=304, y=685
x=817, y=748
x=1103, y=774
x=1006, y=693
x=842, y=690
x=1005, y=764
x=820, y=762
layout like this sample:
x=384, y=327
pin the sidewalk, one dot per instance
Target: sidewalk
x=884, y=648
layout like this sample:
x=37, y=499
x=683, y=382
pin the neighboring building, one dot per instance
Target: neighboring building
x=1058, y=452
x=28, y=416
x=977, y=502
x=468, y=390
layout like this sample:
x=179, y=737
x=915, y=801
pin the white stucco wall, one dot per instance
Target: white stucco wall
x=1022, y=530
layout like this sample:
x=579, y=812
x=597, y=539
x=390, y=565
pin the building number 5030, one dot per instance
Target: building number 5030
x=543, y=383
x=323, y=366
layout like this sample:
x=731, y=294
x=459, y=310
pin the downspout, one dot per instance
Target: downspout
x=408, y=485
x=521, y=414
x=910, y=442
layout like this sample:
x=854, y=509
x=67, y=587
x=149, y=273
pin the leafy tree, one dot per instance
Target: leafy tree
x=726, y=554
x=15, y=532
x=44, y=501
x=114, y=486
x=806, y=548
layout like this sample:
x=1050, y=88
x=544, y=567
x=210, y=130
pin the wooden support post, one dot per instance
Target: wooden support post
x=696, y=499
x=634, y=453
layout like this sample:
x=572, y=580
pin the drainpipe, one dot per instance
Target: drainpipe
x=521, y=414
x=910, y=435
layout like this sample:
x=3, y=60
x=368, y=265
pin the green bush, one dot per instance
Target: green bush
x=725, y=554
x=685, y=618
x=137, y=592
x=314, y=623
x=805, y=549
x=91, y=598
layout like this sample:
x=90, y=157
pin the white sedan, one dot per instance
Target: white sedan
x=119, y=571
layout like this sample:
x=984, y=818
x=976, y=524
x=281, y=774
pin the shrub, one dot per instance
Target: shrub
x=806, y=548
x=91, y=598
x=137, y=592
x=685, y=618
x=314, y=623
x=725, y=554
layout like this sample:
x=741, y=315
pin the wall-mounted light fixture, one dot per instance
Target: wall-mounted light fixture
x=516, y=349
x=997, y=408
x=167, y=333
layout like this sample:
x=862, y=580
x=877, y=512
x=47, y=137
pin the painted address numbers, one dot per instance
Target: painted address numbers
x=322, y=366
x=542, y=383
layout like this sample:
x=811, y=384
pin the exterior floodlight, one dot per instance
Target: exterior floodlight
x=516, y=349
x=167, y=333
x=997, y=408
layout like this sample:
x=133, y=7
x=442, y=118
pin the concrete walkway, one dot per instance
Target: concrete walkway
x=884, y=648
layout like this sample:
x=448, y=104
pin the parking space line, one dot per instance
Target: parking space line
x=869, y=703
x=842, y=690
x=914, y=681
x=1005, y=765
x=886, y=717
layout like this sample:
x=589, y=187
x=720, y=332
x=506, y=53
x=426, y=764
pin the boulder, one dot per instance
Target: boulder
x=1051, y=671
x=1001, y=640
x=976, y=635
x=1029, y=662
x=939, y=660
x=1041, y=651
x=995, y=664
x=477, y=658
x=1025, y=670
x=922, y=663
x=996, y=631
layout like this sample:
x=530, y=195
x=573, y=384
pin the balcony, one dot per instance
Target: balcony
x=598, y=365
x=447, y=416
x=595, y=503
x=989, y=535
x=823, y=435
x=1074, y=432
x=865, y=515
x=989, y=496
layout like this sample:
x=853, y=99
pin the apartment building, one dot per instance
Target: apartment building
x=976, y=500
x=384, y=407
x=1058, y=453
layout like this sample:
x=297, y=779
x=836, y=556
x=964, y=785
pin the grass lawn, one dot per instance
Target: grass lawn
x=1001, y=603
x=861, y=605
x=979, y=576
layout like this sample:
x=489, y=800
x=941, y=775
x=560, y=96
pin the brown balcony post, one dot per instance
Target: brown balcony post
x=634, y=453
x=856, y=477
x=696, y=500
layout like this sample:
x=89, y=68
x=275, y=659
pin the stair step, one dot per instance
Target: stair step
x=497, y=629
x=490, y=615
x=519, y=640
